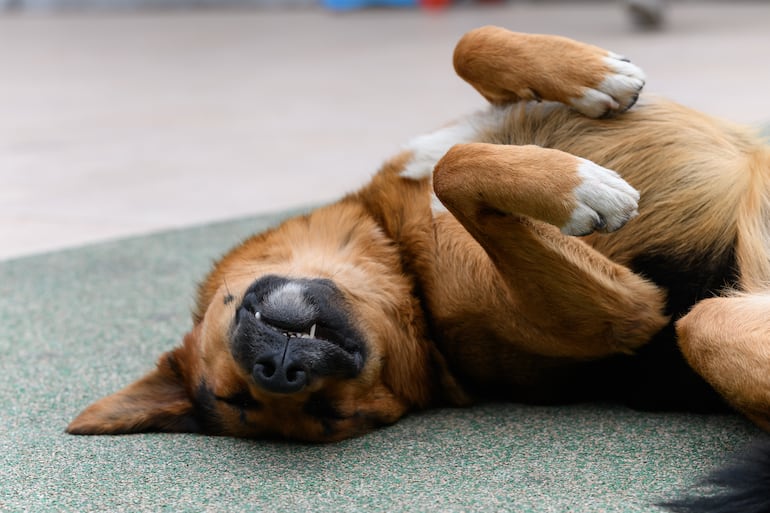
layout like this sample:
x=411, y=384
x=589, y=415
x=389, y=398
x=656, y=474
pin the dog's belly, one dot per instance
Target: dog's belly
x=683, y=240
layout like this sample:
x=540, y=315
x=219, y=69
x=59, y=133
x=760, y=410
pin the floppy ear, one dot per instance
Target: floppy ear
x=157, y=402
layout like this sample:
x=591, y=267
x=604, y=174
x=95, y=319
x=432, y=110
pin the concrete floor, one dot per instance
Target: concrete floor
x=113, y=125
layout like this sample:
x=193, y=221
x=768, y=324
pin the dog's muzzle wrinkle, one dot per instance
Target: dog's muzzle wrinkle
x=287, y=333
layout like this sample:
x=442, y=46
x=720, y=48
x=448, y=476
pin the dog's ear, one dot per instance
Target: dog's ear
x=159, y=401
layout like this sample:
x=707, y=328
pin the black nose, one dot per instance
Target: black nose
x=281, y=373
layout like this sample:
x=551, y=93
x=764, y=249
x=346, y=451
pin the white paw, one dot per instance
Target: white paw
x=605, y=202
x=618, y=91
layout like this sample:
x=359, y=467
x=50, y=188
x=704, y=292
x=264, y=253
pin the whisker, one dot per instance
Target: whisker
x=228, y=295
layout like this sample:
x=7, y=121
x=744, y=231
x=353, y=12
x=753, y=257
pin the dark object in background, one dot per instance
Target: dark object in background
x=646, y=14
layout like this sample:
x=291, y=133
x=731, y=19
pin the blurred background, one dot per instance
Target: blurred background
x=125, y=117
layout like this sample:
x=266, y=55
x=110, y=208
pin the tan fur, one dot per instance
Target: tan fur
x=507, y=67
x=725, y=340
x=491, y=296
x=605, y=309
x=705, y=169
x=516, y=179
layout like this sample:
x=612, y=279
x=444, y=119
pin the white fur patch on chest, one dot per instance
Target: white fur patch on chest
x=428, y=149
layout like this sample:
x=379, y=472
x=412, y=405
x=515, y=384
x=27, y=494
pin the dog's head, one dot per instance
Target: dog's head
x=309, y=332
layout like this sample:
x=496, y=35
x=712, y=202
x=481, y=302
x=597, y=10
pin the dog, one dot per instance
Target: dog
x=573, y=241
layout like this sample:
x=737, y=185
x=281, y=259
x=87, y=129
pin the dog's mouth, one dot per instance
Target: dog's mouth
x=293, y=334
x=288, y=333
x=315, y=331
x=324, y=320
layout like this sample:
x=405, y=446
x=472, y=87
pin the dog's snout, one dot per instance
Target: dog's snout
x=290, y=332
x=280, y=373
x=283, y=303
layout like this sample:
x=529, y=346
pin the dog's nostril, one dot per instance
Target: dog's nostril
x=265, y=369
x=278, y=376
x=296, y=375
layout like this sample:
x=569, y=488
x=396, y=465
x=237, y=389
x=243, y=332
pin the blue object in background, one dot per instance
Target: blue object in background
x=346, y=5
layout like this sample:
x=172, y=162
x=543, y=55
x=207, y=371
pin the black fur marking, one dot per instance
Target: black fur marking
x=742, y=487
x=319, y=407
x=229, y=298
x=658, y=377
x=174, y=366
x=204, y=411
x=242, y=400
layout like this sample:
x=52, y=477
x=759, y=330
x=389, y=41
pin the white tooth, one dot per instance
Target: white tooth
x=312, y=331
x=257, y=315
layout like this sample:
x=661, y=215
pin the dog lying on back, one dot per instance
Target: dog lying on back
x=488, y=260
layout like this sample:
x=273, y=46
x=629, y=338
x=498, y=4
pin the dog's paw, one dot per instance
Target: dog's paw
x=605, y=202
x=616, y=93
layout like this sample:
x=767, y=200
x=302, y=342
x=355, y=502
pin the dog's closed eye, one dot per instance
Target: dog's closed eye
x=242, y=400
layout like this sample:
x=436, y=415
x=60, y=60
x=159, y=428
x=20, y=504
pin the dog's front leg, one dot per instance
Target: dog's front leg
x=523, y=204
x=506, y=67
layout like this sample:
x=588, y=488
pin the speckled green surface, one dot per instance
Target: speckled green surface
x=78, y=324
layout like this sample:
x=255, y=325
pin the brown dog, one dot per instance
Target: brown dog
x=511, y=281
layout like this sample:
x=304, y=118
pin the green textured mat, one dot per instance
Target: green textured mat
x=78, y=324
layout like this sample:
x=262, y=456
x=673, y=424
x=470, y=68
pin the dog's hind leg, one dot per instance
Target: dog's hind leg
x=507, y=67
x=522, y=204
x=727, y=341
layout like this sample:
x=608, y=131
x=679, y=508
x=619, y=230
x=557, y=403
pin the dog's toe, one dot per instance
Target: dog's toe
x=604, y=201
x=617, y=92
